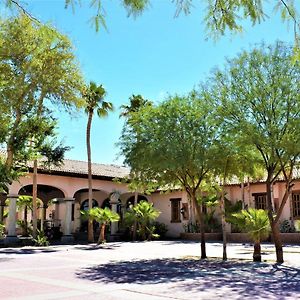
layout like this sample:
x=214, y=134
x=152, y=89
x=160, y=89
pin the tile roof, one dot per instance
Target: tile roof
x=81, y=168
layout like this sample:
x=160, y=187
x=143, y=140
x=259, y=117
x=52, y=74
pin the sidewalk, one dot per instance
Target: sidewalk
x=147, y=270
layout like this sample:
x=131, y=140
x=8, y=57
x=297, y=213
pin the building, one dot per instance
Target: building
x=64, y=192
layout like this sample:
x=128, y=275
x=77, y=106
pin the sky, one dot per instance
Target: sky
x=154, y=55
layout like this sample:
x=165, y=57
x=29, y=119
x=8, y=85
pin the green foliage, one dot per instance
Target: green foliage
x=231, y=209
x=93, y=96
x=36, y=64
x=136, y=103
x=101, y=215
x=2, y=230
x=161, y=229
x=151, y=147
x=220, y=17
x=297, y=225
x=144, y=214
x=255, y=222
x=25, y=227
x=191, y=227
x=286, y=227
x=41, y=239
x=211, y=222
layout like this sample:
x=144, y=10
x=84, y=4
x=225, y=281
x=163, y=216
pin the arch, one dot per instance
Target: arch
x=85, y=204
x=82, y=194
x=106, y=203
x=44, y=192
x=130, y=200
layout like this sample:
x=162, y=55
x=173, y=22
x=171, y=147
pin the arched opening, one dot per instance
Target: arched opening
x=130, y=200
x=106, y=203
x=47, y=218
x=85, y=204
x=84, y=222
x=81, y=203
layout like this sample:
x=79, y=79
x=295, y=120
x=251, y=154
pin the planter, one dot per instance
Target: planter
x=289, y=238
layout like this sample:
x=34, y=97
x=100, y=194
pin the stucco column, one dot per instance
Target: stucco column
x=114, y=201
x=11, y=237
x=67, y=235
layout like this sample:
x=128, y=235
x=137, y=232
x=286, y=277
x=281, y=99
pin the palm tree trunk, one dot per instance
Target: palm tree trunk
x=257, y=252
x=34, y=180
x=34, y=200
x=90, y=184
x=42, y=215
x=25, y=221
x=102, y=234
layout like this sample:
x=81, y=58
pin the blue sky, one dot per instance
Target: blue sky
x=152, y=55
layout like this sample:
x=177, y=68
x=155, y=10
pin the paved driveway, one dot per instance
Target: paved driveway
x=147, y=270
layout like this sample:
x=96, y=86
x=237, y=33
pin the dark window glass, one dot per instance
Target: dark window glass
x=175, y=210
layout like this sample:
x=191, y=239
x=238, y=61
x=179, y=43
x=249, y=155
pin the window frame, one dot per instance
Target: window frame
x=175, y=210
x=258, y=203
x=296, y=205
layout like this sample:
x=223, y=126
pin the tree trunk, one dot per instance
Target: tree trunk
x=90, y=184
x=25, y=221
x=243, y=194
x=202, y=230
x=34, y=182
x=42, y=216
x=257, y=252
x=222, y=204
x=10, y=142
x=135, y=222
x=274, y=225
x=249, y=192
x=101, y=238
x=34, y=200
x=277, y=242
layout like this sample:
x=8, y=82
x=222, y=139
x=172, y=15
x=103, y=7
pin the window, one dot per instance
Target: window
x=260, y=200
x=175, y=210
x=296, y=205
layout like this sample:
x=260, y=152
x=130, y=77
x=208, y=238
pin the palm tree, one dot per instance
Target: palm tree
x=257, y=225
x=143, y=213
x=136, y=103
x=94, y=101
x=103, y=216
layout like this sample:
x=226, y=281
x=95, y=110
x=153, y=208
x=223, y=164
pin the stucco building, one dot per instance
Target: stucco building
x=64, y=192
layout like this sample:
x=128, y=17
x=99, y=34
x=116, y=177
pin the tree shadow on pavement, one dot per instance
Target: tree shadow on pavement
x=98, y=247
x=27, y=251
x=260, y=280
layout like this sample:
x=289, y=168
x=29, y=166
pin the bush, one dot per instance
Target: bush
x=2, y=230
x=41, y=239
x=191, y=227
x=297, y=225
x=286, y=227
x=161, y=229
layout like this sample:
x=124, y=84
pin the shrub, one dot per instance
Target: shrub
x=286, y=227
x=41, y=239
x=160, y=229
x=2, y=230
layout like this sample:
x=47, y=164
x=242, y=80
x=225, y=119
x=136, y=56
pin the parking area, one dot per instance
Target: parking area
x=147, y=270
